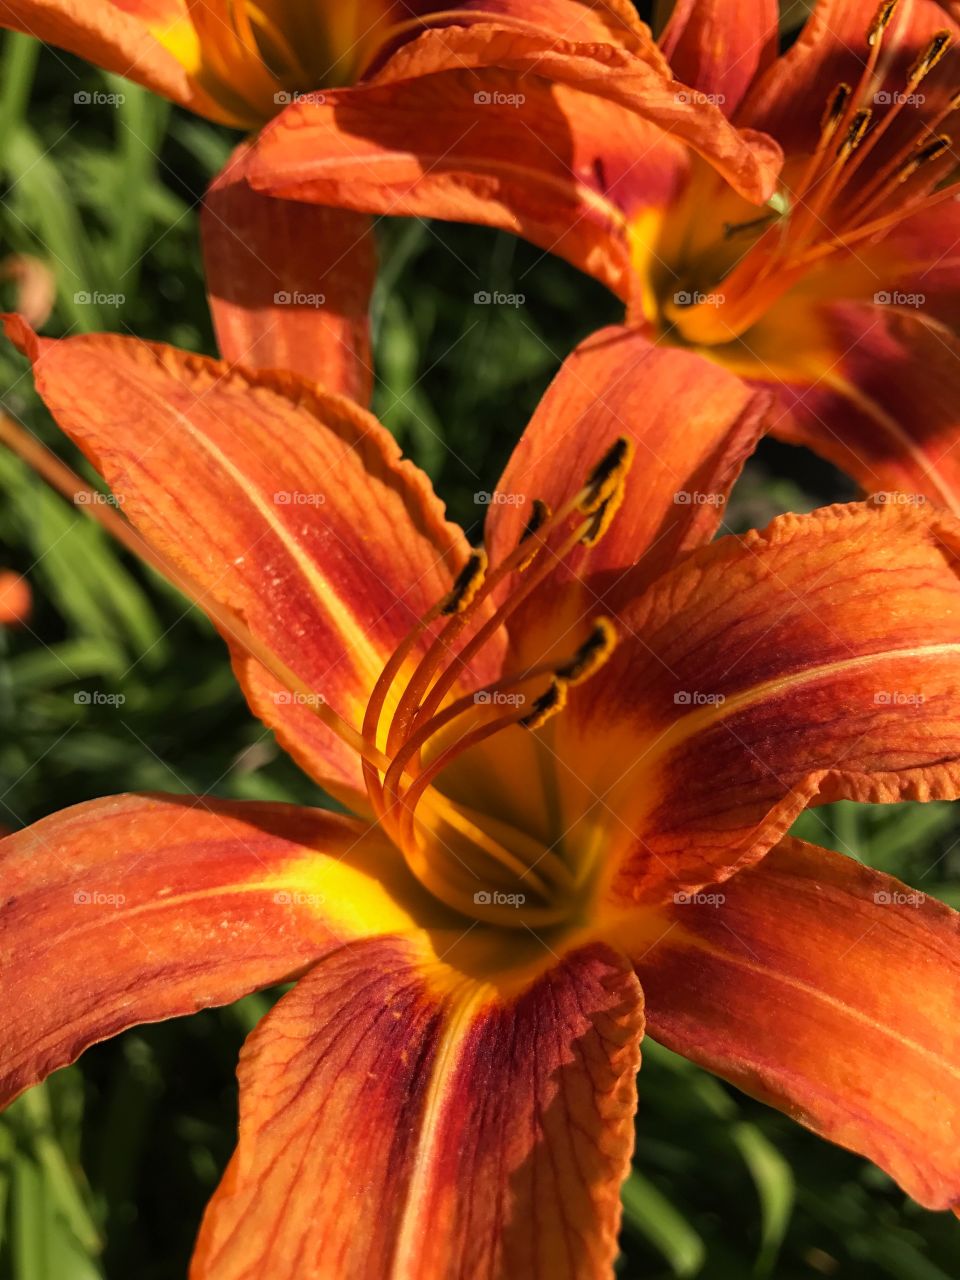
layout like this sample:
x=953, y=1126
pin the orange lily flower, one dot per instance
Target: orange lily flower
x=573, y=757
x=290, y=283
x=16, y=600
x=841, y=295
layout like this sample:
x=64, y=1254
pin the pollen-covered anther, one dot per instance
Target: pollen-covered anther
x=607, y=476
x=538, y=518
x=855, y=133
x=934, y=51
x=881, y=21
x=468, y=582
x=602, y=518
x=836, y=106
x=546, y=706
x=591, y=655
x=929, y=152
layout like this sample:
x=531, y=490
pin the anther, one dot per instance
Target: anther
x=547, y=705
x=540, y=515
x=591, y=655
x=607, y=476
x=930, y=151
x=855, y=134
x=468, y=582
x=881, y=21
x=602, y=518
x=930, y=57
x=836, y=106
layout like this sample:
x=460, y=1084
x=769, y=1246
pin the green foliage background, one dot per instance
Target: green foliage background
x=105, y=1169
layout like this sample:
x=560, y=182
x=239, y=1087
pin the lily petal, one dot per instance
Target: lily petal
x=817, y=660
x=887, y=410
x=289, y=284
x=719, y=47
x=150, y=41
x=827, y=990
x=138, y=908
x=255, y=485
x=429, y=1127
x=692, y=424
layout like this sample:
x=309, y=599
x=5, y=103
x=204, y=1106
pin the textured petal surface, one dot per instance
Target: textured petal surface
x=256, y=485
x=819, y=659
x=396, y=1121
x=718, y=46
x=138, y=908
x=827, y=990
x=289, y=284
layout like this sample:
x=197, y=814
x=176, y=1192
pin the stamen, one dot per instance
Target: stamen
x=836, y=106
x=540, y=517
x=934, y=51
x=468, y=582
x=855, y=133
x=880, y=22
x=608, y=475
x=546, y=706
x=602, y=518
x=591, y=655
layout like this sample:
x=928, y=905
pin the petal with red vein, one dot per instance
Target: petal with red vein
x=827, y=990
x=692, y=424
x=139, y=908
x=887, y=410
x=719, y=46
x=819, y=659
x=255, y=485
x=289, y=284
x=397, y=1118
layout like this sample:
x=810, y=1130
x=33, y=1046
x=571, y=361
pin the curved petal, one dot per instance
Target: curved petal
x=635, y=76
x=926, y=252
x=16, y=599
x=289, y=284
x=829, y=991
x=718, y=47
x=554, y=165
x=887, y=410
x=139, y=908
x=150, y=41
x=819, y=659
x=255, y=485
x=398, y=1122
x=692, y=425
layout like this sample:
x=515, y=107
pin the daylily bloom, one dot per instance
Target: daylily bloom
x=841, y=294
x=573, y=757
x=290, y=283
x=15, y=599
